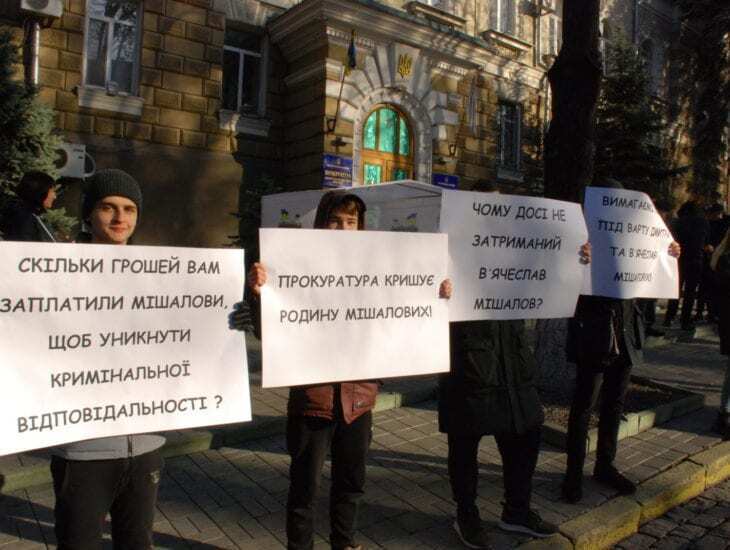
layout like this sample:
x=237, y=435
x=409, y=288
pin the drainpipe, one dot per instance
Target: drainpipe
x=636, y=23
x=31, y=48
x=537, y=34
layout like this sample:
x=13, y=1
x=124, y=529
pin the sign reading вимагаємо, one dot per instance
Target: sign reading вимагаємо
x=630, y=246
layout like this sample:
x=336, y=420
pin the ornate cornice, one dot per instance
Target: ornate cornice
x=315, y=23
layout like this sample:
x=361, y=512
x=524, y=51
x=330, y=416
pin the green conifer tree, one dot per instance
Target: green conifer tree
x=629, y=126
x=27, y=138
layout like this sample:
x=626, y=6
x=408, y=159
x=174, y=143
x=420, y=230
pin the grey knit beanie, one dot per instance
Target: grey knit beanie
x=107, y=183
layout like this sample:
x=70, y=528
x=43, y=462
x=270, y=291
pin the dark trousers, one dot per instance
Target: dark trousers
x=707, y=293
x=648, y=312
x=519, y=454
x=612, y=383
x=86, y=490
x=308, y=441
x=689, y=280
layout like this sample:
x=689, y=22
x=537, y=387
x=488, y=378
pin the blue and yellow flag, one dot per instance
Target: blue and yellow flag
x=351, y=53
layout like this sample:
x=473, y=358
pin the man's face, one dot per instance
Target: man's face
x=50, y=198
x=113, y=220
x=341, y=219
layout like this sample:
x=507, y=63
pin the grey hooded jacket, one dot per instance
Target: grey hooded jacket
x=106, y=448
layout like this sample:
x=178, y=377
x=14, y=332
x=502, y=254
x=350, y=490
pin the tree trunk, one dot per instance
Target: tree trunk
x=575, y=80
x=706, y=36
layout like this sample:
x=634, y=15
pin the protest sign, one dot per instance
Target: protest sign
x=352, y=305
x=630, y=246
x=512, y=257
x=408, y=206
x=101, y=340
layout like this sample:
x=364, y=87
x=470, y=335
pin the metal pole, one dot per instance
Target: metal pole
x=36, y=41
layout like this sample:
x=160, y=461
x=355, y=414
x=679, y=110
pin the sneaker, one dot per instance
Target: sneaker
x=532, y=525
x=609, y=475
x=471, y=532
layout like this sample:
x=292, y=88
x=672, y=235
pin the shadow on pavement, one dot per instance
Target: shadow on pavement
x=22, y=521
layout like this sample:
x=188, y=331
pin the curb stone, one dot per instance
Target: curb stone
x=716, y=462
x=599, y=528
x=196, y=440
x=669, y=489
x=605, y=525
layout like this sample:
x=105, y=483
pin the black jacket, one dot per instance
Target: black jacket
x=692, y=233
x=22, y=224
x=604, y=328
x=492, y=386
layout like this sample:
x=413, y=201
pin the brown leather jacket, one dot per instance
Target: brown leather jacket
x=355, y=398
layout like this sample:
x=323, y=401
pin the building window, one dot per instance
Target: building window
x=112, y=45
x=242, y=72
x=387, y=151
x=605, y=43
x=503, y=16
x=510, y=118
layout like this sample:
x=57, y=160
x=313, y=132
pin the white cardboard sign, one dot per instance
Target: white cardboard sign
x=630, y=246
x=103, y=340
x=512, y=257
x=352, y=305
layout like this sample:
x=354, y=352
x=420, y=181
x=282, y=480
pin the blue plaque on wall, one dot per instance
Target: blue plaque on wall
x=337, y=171
x=447, y=181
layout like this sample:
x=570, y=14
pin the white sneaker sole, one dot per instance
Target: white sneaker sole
x=514, y=528
x=463, y=540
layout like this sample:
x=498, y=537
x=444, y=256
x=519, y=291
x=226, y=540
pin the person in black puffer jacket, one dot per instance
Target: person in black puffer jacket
x=492, y=390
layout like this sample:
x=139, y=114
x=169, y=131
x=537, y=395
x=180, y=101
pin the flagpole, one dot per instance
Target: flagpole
x=332, y=123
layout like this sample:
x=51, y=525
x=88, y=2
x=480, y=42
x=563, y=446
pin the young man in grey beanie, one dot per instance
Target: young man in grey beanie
x=118, y=475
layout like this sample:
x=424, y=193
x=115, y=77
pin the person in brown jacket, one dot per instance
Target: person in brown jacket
x=328, y=417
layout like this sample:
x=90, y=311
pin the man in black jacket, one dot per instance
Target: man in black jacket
x=492, y=390
x=605, y=338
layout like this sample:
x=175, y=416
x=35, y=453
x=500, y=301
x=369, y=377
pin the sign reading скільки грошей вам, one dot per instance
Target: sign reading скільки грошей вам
x=103, y=340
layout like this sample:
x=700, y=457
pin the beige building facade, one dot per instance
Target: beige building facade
x=202, y=99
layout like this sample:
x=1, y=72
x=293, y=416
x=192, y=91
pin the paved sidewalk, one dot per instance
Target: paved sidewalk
x=234, y=497
x=702, y=523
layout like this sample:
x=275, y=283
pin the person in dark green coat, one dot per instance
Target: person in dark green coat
x=492, y=390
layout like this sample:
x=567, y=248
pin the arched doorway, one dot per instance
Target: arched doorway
x=387, y=146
